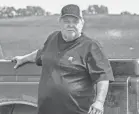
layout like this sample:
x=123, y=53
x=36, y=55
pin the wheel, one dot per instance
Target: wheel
x=17, y=109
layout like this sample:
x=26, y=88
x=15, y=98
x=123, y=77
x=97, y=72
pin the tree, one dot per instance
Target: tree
x=95, y=9
x=7, y=12
x=84, y=12
x=125, y=13
x=48, y=13
x=30, y=10
x=103, y=10
x=39, y=11
x=22, y=12
x=91, y=9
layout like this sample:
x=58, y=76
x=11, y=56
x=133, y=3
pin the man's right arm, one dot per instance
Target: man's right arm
x=31, y=57
x=35, y=56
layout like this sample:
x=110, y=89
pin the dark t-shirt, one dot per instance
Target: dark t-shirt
x=69, y=72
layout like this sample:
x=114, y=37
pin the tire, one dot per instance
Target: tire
x=17, y=109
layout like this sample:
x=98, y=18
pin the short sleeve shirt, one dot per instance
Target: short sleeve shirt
x=69, y=72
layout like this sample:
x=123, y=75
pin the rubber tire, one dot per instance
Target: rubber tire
x=17, y=109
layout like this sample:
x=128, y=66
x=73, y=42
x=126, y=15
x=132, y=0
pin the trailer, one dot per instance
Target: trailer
x=19, y=88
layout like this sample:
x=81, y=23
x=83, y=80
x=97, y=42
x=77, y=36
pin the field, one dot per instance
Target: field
x=119, y=35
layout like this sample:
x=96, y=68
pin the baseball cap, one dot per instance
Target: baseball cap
x=72, y=10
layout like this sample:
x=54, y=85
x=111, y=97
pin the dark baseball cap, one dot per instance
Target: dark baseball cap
x=72, y=10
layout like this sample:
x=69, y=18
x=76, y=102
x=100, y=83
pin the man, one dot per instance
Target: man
x=72, y=64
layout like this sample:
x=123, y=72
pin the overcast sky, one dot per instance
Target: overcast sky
x=54, y=6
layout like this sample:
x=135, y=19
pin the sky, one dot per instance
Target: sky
x=54, y=6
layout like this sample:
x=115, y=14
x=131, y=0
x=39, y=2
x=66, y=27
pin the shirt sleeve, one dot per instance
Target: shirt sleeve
x=98, y=64
x=40, y=51
x=38, y=57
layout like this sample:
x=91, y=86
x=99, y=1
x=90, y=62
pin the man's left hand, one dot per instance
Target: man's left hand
x=96, y=108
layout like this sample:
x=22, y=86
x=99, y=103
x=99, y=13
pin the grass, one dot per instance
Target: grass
x=119, y=35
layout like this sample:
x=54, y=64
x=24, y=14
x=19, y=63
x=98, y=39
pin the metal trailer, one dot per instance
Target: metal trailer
x=18, y=88
x=123, y=94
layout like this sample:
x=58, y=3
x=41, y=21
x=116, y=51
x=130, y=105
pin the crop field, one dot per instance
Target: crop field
x=118, y=35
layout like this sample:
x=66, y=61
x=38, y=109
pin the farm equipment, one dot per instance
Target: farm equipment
x=18, y=88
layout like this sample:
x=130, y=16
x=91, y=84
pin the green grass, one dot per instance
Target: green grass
x=119, y=35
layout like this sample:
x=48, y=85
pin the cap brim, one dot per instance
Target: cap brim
x=70, y=15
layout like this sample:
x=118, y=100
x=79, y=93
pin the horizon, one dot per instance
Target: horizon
x=115, y=7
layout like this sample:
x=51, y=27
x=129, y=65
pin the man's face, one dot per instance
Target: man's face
x=71, y=27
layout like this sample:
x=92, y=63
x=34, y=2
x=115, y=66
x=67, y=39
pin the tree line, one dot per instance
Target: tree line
x=96, y=9
x=10, y=12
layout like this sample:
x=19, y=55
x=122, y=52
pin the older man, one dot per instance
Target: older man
x=72, y=64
